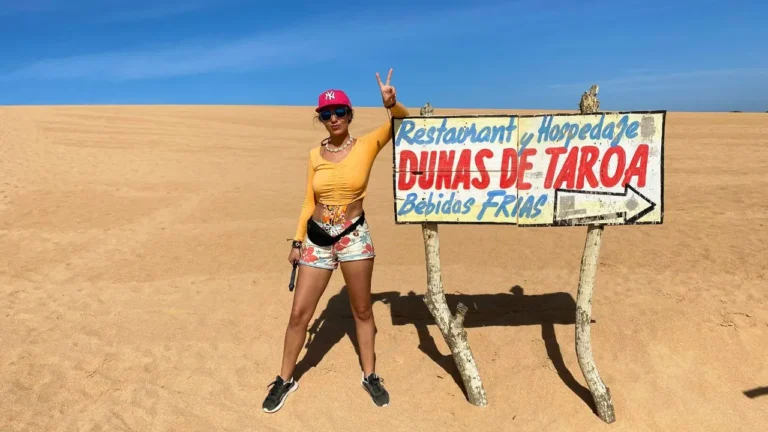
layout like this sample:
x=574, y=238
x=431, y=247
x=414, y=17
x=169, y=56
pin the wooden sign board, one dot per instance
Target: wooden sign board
x=536, y=170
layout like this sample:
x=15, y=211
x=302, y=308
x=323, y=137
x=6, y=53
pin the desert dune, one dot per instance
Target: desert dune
x=144, y=279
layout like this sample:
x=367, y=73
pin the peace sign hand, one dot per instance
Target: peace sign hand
x=388, y=95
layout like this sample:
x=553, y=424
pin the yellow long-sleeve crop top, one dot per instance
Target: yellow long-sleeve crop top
x=339, y=183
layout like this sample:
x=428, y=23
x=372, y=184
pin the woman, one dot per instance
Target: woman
x=332, y=233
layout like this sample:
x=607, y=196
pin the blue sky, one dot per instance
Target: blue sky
x=689, y=55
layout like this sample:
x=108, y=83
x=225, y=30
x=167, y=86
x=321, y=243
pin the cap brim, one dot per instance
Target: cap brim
x=322, y=107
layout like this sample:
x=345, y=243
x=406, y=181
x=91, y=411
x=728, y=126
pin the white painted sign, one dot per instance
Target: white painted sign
x=542, y=170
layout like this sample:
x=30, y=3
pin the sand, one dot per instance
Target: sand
x=143, y=286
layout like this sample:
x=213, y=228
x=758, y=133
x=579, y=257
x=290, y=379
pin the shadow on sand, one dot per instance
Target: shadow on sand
x=756, y=392
x=503, y=309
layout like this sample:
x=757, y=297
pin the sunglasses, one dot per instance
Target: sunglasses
x=340, y=113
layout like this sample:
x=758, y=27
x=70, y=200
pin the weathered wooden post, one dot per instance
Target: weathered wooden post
x=426, y=110
x=600, y=393
x=451, y=326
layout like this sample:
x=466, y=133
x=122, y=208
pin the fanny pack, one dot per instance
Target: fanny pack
x=320, y=237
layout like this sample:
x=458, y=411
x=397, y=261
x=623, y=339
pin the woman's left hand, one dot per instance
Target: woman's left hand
x=388, y=95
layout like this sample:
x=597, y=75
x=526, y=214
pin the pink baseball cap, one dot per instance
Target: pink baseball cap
x=332, y=97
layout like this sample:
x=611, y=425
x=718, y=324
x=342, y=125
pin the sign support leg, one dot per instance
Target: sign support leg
x=451, y=327
x=589, y=260
x=600, y=393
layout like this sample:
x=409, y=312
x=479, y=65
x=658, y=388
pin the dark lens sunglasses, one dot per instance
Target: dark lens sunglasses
x=340, y=113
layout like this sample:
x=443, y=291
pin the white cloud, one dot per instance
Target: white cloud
x=302, y=43
x=185, y=59
x=156, y=10
x=106, y=10
x=640, y=81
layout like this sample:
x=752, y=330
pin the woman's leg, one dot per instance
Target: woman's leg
x=357, y=276
x=310, y=285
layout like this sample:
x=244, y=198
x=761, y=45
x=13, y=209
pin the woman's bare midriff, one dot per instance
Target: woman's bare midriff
x=337, y=214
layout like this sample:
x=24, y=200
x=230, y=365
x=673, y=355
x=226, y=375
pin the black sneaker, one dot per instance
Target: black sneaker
x=373, y=385
x=277, y=394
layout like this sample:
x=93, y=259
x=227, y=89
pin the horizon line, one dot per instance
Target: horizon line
x=366, y=107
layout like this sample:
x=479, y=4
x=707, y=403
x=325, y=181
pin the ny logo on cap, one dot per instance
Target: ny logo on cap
x=330, y=95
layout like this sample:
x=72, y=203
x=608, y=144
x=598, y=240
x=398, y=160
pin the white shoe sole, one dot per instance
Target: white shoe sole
x=282, y=401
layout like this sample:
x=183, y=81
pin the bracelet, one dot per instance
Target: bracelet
x=393, y=104
x=296, y=244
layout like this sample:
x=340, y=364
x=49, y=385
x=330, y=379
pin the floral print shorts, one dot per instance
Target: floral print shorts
x=356, y=245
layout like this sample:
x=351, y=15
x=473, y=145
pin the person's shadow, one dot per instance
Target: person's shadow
x=328, y=329
x=503, y=309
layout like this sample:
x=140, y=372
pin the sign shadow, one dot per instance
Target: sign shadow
x=503, y=309
x=756, y=392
